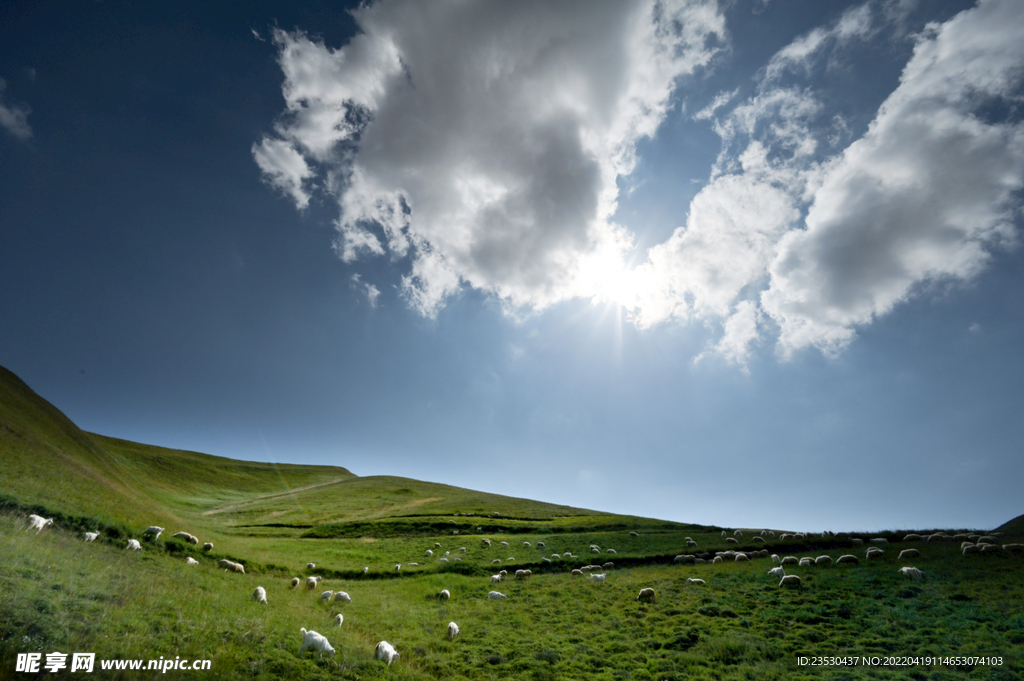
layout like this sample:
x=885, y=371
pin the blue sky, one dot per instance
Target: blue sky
x=751, y=264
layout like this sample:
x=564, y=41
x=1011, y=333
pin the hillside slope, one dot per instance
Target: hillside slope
x=52, y=464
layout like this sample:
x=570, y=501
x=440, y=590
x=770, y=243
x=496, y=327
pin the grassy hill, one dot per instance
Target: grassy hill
x=59, y=593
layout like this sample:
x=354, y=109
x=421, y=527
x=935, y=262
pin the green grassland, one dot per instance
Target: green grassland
x=58, y=593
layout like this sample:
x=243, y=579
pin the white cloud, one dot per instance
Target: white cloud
x=923, y=196
x=483, y=139
x=14, y=115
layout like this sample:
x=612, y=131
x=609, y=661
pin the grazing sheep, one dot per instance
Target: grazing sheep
x=847, y=559
x=520, y=574
x=181, y=535
x=153, y=530
x=191, y=561
x=971, y=548
x=607, y=566
x=462, y=549
x=612, y=551
x=634, y=534
x=207, y=546
x=495, y=595
x=444, y=595
x=771, y=534
x=776, y=559
x=310, y=566
x=429, y=552
x=694, y=580
x=541, y=544
x=365, y=570
x=646, y=595
x=412, y=564
x=597, y=579
x=874, y=552
x=91, y=536
x=789, y=560
x=717, y=559
x=990, y=548
x=723, y=533
x=965, y=543
x=908, y=553
x=779, y=572
x=134, y=545
x=1015, y=548
x=791, y=580
x=912, y=572
x=856, y=541
x=236, y=567
x=577, y=573
x=684, y=558
x=504, y=543
x=311, y=582
x=315, y=641
x=730, y=540
x=740, y=557
x=260, y=595
x=496, y=578
x=527, y=544
x=690, y=544
x=385, y=652
x=295, y=582
x=38, y=522
x=486, y=541
x=327, y=596
x=823, y=560
x=453, y=631
x=760, y=539
x=987, y=540
x=398, y=566
x=338, y=619
x=342, y=596
x=738, y=533
x=912, y=537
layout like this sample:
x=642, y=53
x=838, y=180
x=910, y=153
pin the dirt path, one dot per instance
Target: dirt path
x=239, y=504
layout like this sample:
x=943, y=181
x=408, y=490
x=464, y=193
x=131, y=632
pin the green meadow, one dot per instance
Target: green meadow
x=61, y=594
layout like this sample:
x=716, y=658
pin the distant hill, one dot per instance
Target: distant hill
x=1013, y=527
x=52, y=465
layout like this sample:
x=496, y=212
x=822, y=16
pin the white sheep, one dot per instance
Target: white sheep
x=738, y=533
x=848, y=558
x=857, y=541
x=634, y=534
x=342, y=596
x=338, y=619
x=577, y=573
x=311, y=582
x=776, y=559
x=191, y=561
x=541, y=544
x=398, y=566
x=91, y=536
x=912, y=537
x=412, y=564
x=972, y=548
x=295, y=582
x=527, y=544
x=326, y=596
x=444, y=595
x=791, y=580
x=315, y=641
x=38, y=522
x=260, y=595
x=717, y=559
x=779, y=572
x=874, y=552
x=153, y=530
x=385, y=652
x=520, y=574
x=823, y=560
x=207, y=546
x=495, y=579
x=134, y=545
x=740, y=557
x=453, y=631
x=789, y=560
x=912, y=572
x=429, y=552
x=612, y=551
x=495, y=595
x=908, y=553
x=597, y=579
x=730, y=540
x=694, y=580
x=646, y=594
x=366, y=569
x=462, y=549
